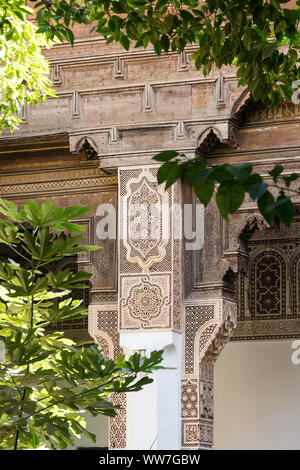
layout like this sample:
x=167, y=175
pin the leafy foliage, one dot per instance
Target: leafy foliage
x=23, y=69
x=260, y=37
x=230, y=184
x=46, y=380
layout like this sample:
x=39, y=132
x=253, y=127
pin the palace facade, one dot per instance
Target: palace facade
x=235, y=283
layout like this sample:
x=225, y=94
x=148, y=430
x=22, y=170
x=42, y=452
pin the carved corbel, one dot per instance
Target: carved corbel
x=226, y=132
x=93, y=143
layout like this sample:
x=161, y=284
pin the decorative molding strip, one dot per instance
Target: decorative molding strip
x=260, y=114
x=220, y=92
x=56, y=75
x=62, y=185
x=88, y=169
x=266, y=330
x=23, y=114
x=180, y=131
x=148, y=99
x=119, y=68
x=137, y=87
x=75, y=104
x=183, y=63
x=113, y=136
x=105, y=57
x=16, y=140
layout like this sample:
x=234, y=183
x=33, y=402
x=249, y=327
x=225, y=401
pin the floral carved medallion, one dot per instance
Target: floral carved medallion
x=145, y=302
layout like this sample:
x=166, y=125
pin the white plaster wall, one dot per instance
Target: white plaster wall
x=257, y=396
x=142, y=418
x=153, y=413
x=97, y=425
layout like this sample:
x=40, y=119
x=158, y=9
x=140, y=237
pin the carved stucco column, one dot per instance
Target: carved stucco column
x=208, y=326
x=103, y=327
x=149, y=256
x=152, y=313
x=150, y=302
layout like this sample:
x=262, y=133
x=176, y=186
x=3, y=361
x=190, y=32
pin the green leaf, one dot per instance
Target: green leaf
x=256, y=190
x=124, y=41
x=192, y=172
x=275, y=172
x=269, y=50
x=204, y=191
x=229, y=198
x=289, y=179
x=164, y=171
x=242, y=172
x=264, y=203
x=166, y=155
x=165, y=43
x=10, y=210
x=285, y=212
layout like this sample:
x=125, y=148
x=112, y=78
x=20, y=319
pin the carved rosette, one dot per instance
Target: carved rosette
x=149, y=268
x=146, y=302
x=208, y=326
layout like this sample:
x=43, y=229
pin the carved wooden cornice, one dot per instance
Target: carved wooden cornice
x=27, y=143
x=57, y=186
x=104, y=56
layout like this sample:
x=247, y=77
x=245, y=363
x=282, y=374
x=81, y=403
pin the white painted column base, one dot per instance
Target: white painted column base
x=153, y=414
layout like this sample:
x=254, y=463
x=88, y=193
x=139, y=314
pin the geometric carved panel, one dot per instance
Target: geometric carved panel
x=268, y=301
x=189, y=398
x=296, y=286
x=107, y=321
x=103, y=327
x=117, y=425
x=142, y=222
x=195, y=317
x=268, y=286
